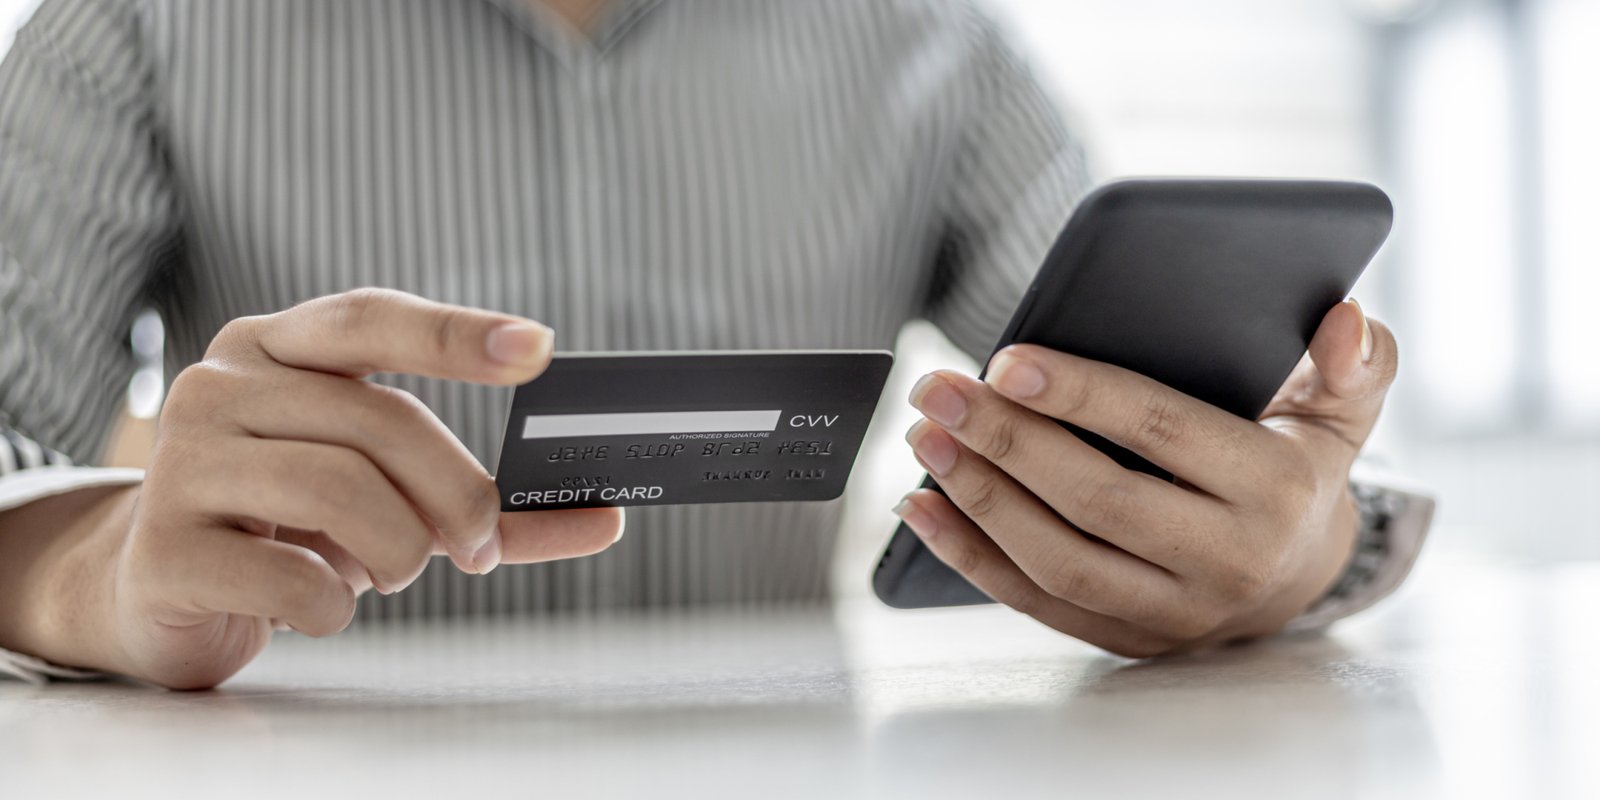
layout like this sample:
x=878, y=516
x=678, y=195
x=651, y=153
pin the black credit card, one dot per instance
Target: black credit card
x=641, y=429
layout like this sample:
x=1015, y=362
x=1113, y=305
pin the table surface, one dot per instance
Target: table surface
x=1476, y=681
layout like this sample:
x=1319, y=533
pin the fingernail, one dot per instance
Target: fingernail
x=1366, y=332
x=933, y=447
x=488, y=556
x=518, y=343
x=1014, y=377
x=939, y=401
x=920, y=522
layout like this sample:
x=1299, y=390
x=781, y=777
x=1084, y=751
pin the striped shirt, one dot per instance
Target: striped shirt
x=701, y=174
x=691, y=174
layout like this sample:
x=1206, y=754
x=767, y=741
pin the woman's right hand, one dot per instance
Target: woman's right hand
x=282, y=485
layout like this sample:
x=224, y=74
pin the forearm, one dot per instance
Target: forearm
x=56, y=576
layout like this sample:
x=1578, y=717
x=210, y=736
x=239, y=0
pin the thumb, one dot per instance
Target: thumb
x=532, y=536
x=1340, y=387
x=1355, y=356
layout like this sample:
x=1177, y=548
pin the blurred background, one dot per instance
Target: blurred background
x=1479, y=116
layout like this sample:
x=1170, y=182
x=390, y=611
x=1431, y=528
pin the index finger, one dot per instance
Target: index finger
x=363, y=331
x=1198, y=442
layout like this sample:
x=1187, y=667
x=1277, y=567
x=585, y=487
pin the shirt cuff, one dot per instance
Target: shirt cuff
x=22, y=488
x=27, y=486
x=1394, y=522
x=37, y=671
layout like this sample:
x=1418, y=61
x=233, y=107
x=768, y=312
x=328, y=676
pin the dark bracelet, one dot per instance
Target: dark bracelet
x=1376, y=510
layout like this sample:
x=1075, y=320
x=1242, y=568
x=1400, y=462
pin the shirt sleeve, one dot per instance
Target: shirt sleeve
x=88, y=218
x=1016, y=172
x=88, y=221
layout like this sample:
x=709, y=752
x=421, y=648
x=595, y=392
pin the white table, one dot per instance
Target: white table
x=1479, y=681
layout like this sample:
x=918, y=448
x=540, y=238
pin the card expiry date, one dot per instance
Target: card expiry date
x=674, y=428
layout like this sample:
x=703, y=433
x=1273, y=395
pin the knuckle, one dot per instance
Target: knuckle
x=353, y=316
x=403, y=404
x=984, y=500
x=195, y=392
x=412, y=553
x=234, y=334
x=307, y=581
x=183, y=392
x=1160, y=422
x=1108, y=505
x=348, y=475
x=1075, y=398
x=352, y=312
x=1029, y=602
x=964, y=559
x=1002, y=438
x=444, y=330
x=194, y=382
x=1066, y=579
x=381, y=408
x=1242, y=582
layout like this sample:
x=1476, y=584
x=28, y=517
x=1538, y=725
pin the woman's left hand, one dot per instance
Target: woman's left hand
x=1257, y=526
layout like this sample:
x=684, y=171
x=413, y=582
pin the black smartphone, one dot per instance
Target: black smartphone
x=1212, y=287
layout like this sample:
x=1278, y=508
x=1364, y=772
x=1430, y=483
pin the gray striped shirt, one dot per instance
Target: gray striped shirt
x=694, y=174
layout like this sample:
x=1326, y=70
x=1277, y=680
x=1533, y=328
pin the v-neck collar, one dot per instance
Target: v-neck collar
x=570, y=45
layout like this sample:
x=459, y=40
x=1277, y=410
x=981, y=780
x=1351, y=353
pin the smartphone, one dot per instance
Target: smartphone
x=1213, y=287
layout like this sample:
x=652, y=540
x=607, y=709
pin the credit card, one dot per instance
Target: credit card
x=642, y=429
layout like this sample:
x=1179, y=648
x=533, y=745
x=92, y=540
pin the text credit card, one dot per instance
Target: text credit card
x=671, y=428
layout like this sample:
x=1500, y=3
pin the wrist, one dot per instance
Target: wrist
x=1342, y=533
x=1322, y=565
x=58, y=558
